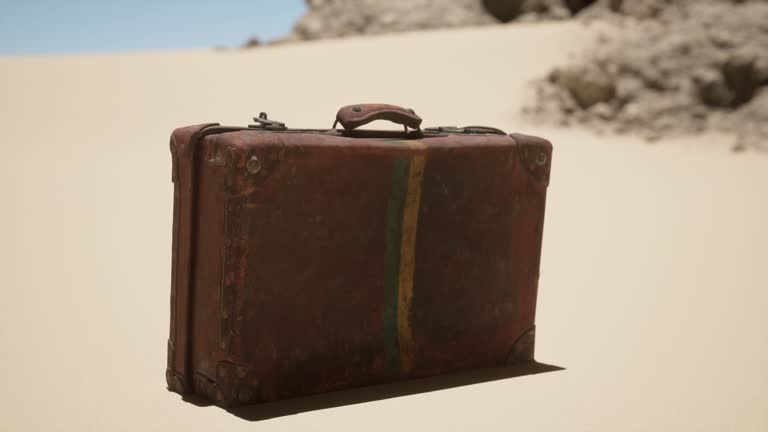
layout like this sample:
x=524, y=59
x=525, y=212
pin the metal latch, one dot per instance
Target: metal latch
x=262, y=122
x=465, y=130
x=444, y=129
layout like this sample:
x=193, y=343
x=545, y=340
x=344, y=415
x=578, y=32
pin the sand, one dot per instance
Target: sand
x=654, y=280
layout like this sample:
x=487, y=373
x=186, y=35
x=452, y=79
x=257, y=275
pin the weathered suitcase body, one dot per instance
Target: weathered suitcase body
x=306, y=261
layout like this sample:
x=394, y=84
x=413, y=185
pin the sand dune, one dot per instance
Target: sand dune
x=654, y=279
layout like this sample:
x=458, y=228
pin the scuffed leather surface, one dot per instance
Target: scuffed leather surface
x=300, y=303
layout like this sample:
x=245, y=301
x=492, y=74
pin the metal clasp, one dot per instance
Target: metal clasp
x=465, y=130
x=262, y=122
x=444, y=129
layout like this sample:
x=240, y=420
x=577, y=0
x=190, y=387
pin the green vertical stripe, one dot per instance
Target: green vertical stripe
x=392, y=262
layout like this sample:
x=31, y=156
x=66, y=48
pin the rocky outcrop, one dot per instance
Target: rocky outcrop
x=697, y=65
x=339, y=18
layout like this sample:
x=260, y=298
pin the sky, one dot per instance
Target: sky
x=32, y=27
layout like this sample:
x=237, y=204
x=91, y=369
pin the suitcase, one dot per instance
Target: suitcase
x=306, y=261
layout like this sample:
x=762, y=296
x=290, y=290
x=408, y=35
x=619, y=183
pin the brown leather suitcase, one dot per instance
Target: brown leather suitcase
x=306, y=261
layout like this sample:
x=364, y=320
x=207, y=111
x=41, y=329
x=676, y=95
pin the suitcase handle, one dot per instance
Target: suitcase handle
x=354, y=116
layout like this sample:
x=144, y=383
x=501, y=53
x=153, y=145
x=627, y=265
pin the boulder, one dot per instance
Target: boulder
x=252, y=43
x=587, y=84
x=742, y=76
x=575, y=6
x=504, y=10
x=711, y=88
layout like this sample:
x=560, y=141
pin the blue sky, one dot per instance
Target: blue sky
x=93, y=26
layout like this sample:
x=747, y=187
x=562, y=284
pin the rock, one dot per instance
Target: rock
x=559, y=13
x=340, y=18
x=546, y=9
x=711, y=88
x=741, y=75
x=539, y=7
x=575, y=6
x=676, y=67
x=602, y=111
x=751, y=122
x=734, y=84
x=761, y=70
x=628, y=87
x=588, y=85
x=633, y=115
x=252, y=43
x=642, y=9
x=504, y=10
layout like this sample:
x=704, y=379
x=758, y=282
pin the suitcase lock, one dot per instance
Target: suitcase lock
x=265, y=123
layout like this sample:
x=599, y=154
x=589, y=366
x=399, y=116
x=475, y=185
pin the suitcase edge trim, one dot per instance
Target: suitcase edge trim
x=183, y=149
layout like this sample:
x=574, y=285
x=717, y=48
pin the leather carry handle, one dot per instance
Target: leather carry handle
x=354, y=116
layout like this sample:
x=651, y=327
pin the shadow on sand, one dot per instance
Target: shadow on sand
x=354, y=396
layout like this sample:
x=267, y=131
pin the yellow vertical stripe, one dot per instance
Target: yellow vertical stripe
x=408, y=258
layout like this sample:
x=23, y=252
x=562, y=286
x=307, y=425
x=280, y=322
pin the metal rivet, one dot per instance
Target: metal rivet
x=541, y=159
x=253, y=165
x=357, y=109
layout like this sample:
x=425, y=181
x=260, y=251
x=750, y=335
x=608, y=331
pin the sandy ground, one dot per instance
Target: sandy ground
x=654, y=286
